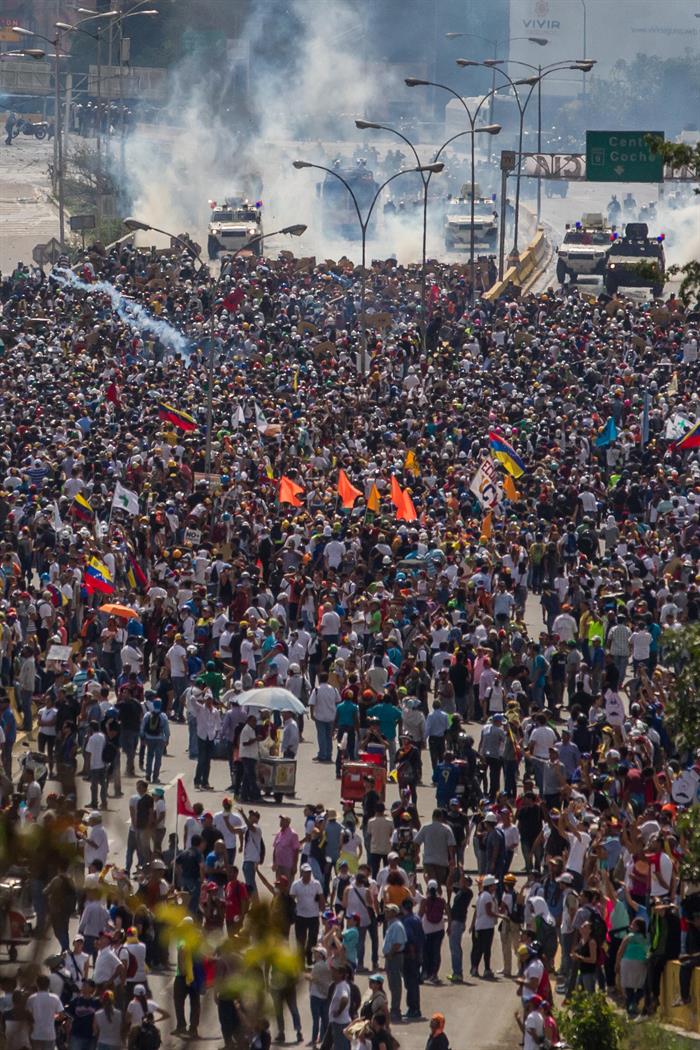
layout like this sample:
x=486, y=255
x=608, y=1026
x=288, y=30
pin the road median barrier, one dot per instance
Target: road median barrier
x=528, y=263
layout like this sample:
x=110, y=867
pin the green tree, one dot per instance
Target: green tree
x=590, y=1022
x=679, y=155
x=682, y=653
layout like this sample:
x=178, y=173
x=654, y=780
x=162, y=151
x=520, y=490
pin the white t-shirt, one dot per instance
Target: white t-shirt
x=94, y=748
x=252, y=844
x=134, y=1010
x=534, y=1031
x=43, y=1006
x=193, y=826
x=341, y=991
x=230, y=838
x=535, y=968
x=578, y=847
x=100, y=848
x=483, y=920
x=109, y=1032
x=248, y=743
x=305, y=894
x=138, y=951
x=106, y=964
x=177, y=658
x=641, y=645
x=541, y=739
x=75, y=965
x=330, y=624
x=666, y=872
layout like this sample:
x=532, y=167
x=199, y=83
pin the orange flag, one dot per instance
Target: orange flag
x=373, y=499
x=487, y=525
x=408, y=511
x=289, y=491
x=510, y=489
x=347, y=491
x=396, y=493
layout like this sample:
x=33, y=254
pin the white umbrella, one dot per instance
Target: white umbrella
x=273, y=698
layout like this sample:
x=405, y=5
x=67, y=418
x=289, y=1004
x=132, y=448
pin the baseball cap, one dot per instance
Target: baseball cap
x=489, y=880
x=376, y=977
x=306, y=867
x=491, y=818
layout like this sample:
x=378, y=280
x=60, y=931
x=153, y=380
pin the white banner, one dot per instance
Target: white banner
x=486, y=484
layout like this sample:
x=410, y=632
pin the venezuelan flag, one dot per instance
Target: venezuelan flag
x=175, y=416
x=506, y=454
x=136, y=576
x=82, y=509
x=97, y=577
x=691, y=439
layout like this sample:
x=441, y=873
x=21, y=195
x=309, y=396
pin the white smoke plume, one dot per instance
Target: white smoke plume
x=131, y=313
x=304, y=105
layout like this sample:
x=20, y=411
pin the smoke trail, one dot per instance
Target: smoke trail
x=131, y=313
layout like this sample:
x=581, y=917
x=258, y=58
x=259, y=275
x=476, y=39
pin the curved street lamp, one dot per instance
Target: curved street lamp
x=293, y=231
x=584, y=65
x=540, y=41
x=488, y=129
x=471, y=117
x=364, y=223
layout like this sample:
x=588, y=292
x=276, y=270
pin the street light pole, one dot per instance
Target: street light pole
x=425, y=179
x=364, y=225
x=58, y=128
x=585, y=44
x=572, y=64
x=541, y=41
x=471, y=117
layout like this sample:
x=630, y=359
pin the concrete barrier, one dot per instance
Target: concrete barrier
x=526, y=265
x=687, y=1017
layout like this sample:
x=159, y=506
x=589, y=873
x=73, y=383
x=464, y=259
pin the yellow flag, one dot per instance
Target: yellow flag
x=411, y=463
x=487, y=525
x=510, y=489
x=268, y=468
x=373, y=499
x=295, y=381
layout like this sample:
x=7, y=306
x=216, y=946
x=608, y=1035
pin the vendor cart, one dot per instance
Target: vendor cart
x=15, y=924
x=277, y=776
x=357, y=777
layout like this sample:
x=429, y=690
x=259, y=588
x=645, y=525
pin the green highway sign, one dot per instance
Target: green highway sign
x=622, y=156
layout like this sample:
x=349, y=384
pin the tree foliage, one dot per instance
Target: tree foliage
x=682, y=653
x=590, y=1022
x=681, y=155
x=650, y=1035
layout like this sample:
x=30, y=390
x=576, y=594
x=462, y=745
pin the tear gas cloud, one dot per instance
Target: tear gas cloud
x=317, y=86
x=308, y=85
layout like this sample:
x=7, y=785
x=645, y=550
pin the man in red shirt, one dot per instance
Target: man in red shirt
x=236, y=898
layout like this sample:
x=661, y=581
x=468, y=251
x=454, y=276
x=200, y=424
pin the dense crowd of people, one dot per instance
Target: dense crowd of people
x=506, y=650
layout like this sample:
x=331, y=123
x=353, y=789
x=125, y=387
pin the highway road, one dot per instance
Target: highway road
x=479, y=1013
x=27, y=216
